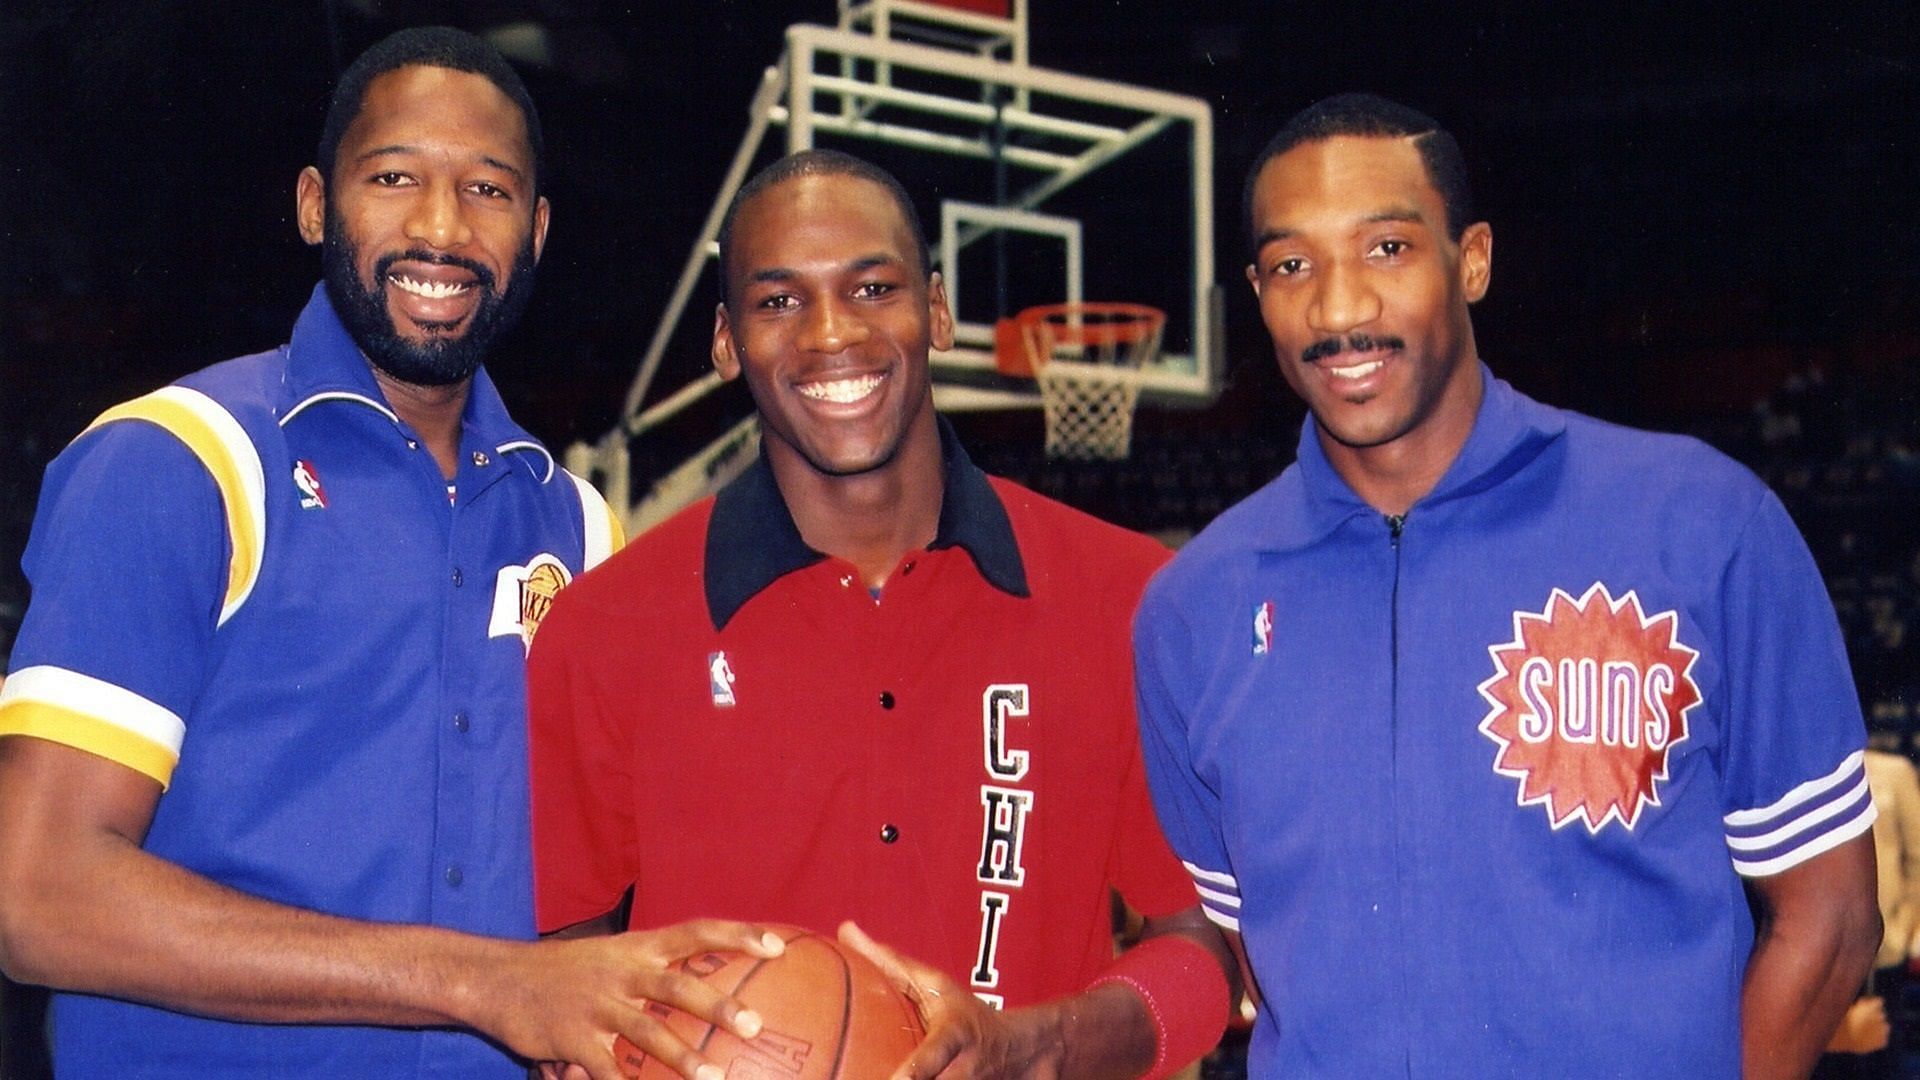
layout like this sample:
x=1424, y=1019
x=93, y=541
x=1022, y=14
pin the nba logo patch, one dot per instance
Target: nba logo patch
x=720, y=680
x=1263, y=628
x=312, y=496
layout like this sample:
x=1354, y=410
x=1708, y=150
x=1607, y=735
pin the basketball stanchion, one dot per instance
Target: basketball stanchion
x=1087, y=359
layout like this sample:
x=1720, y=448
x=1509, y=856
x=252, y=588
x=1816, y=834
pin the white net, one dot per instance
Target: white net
x=1087, y=361
x=1089, y=409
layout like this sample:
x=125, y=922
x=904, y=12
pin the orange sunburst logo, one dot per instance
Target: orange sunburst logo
x=1587, y=701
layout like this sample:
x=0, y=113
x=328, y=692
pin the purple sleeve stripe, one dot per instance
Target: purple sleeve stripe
x=1841, y=779
x=1806, y=816
x=1854, y=817
x=1212, y=879
x=1226, y=920
x=1225, y=901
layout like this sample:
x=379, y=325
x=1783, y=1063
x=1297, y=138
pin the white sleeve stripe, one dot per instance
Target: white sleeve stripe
x=102, y=700
x=1212, y=897
x=1214, y=876
x=1221, y=919
x=597, y=523
x=1809, y=790
x=1799, y=824
x=1819, y=846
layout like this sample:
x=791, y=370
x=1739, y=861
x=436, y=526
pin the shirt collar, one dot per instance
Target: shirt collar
x=1509, y=430
x=752, y=540
x=324, y=365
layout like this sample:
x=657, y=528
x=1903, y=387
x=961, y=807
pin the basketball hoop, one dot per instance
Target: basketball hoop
x=1087, y=359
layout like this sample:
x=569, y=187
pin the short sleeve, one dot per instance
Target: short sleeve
x=1189, y=809
x=1146, y=871
x=129, y=566
x=1795, y=779
x=583, y=831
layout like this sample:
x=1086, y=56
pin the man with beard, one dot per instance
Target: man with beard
x=1481, y=723
x=264, y=755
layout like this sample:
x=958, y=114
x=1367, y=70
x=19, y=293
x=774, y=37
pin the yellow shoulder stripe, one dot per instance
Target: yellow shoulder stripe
x=222, y=445
x=618, y=539
x=604, y=533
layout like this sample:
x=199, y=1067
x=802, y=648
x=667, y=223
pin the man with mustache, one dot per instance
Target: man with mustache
x=263, y=784
x=1481, y=723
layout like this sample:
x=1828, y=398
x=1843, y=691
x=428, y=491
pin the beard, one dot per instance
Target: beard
x=443, y=358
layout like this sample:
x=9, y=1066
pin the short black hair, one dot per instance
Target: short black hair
x=424, y=46
x=1371, y=116
x=819, y=163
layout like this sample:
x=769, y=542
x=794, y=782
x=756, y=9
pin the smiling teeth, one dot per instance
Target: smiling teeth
x=432, y=290
x=840, y=391
x=1357, y=371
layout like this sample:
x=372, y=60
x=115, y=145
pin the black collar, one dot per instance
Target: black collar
x=752, y=540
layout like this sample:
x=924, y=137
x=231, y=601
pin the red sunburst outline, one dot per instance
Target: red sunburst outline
x=1650, y=796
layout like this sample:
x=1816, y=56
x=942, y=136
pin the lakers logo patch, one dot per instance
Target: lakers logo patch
x=522, y=596
x=1585, y=704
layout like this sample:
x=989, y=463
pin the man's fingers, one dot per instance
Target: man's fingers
x=902, y=971
x=646, y=1037
x=933, y=1055
x=708, y=935
x=698, y=998
x=936, y=996
x=883, y=958
x=597, y=1064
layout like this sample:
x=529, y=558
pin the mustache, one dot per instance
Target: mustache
x=1359, y=343
x=482, y=275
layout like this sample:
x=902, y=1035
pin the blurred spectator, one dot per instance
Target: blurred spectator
x=1872, y=1039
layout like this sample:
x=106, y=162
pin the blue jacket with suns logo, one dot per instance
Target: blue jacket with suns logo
x=1478, y=785
x=257, y=588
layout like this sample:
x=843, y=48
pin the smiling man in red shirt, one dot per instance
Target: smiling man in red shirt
x=868, y=682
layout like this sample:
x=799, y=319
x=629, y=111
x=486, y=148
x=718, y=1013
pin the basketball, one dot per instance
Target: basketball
x=827, y=1014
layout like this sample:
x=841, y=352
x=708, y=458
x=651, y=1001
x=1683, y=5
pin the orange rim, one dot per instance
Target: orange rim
x=1099, y=322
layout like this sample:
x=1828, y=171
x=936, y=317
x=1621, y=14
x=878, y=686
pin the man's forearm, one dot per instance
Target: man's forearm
x=1104, y=1031
x=112, y=919
x=1819, y=928
x=125, y=923
x=1177, y=987
x=1796, y=991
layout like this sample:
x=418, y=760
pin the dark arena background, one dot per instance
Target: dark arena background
x=1707, y=219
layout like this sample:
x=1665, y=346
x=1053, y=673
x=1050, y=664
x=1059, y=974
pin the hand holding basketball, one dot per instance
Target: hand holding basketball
x=826, y=1014
x=570, y=999
x=966, y=1039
